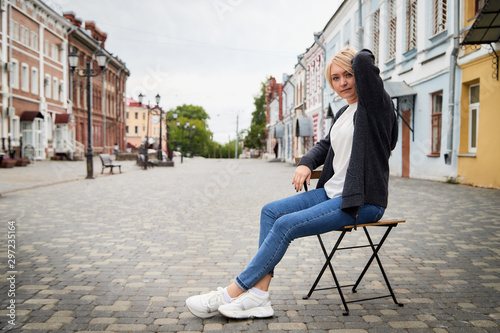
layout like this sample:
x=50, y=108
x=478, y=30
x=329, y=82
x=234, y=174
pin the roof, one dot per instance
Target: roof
x=31, y=115
x=398, y=89
x=486, y=27
x=62, y=118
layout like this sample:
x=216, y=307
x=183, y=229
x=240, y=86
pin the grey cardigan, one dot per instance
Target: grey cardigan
x=375, y=135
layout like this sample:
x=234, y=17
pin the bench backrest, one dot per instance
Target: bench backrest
x=105, y=158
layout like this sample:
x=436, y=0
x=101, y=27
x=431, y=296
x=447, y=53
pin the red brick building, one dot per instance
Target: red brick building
x=108, y=89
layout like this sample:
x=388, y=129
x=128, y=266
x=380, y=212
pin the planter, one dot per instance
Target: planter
x=22, y=162
x=8, y=163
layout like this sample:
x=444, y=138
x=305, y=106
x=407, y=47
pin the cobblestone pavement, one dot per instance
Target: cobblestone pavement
x=122, y=252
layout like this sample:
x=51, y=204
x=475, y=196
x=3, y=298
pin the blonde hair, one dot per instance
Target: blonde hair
x=342, y=59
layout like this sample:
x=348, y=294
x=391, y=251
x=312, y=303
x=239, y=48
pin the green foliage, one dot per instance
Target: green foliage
x=256, y=136
x=190, y=141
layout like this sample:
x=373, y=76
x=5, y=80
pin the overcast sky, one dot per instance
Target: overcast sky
x=211, y=53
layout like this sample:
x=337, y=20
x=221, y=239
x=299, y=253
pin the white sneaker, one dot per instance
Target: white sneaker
x=206, y=305
x=248, y=305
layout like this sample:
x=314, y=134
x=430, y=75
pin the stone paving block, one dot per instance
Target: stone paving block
x=128, y=265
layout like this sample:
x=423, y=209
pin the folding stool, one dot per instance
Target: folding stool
x=388, y=224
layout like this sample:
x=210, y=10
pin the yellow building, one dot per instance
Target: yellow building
x=136, y=120
x=479, y=153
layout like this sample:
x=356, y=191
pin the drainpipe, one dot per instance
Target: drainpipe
x=451, y=99
x=293, y=98
x=360, y=28
x=103, y=76
x=321, y=119
x=299, y=59
x=118, y=113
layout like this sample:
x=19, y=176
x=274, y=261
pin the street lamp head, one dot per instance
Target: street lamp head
x=140, y=97
x=187, y=124
x=194, y=126
x=157, y=99
x=175, y=115
x=178, y=123
x=73, y=60
x=101, y=59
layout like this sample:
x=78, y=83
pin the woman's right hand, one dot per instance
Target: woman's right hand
x=302, y=174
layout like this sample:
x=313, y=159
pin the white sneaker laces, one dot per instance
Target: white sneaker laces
x=214, y=297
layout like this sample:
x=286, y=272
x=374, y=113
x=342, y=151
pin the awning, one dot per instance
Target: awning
x=304, y=127
x=486, y=27
x=279, y=131
x=62, y=118
x=397, y=89
x=31, y=115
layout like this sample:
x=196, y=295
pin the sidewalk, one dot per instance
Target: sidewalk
x=122, y=252
x=47, y=172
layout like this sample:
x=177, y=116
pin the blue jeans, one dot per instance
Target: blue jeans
x=305, y=214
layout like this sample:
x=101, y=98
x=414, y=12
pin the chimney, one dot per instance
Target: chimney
x=95, y=32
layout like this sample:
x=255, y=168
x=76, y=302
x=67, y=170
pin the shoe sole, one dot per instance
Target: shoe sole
x=258, y=312
x=202, y=315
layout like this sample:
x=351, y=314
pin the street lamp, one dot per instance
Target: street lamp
x=187, y=127
x=159, y=112
x=88, y=73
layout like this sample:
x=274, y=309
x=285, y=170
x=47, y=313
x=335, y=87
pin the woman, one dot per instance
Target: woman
x=353, y=187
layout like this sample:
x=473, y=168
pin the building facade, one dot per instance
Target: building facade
x=108, y=89
x=478, y=156
x=34, y=81
x=141, y=123
x=443, y=92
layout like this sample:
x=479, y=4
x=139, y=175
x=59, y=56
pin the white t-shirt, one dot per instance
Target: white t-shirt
x=341, y=140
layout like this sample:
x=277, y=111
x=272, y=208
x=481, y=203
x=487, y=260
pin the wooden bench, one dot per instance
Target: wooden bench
x=107, y=162
x=387, y=223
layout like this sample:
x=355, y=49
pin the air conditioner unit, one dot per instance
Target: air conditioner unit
x=10, y=111
x=8, y=67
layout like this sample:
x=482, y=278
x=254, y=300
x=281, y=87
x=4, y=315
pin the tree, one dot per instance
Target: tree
x=256, y=136
x=195, y=141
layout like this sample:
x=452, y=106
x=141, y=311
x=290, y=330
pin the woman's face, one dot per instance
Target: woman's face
x=343, y=83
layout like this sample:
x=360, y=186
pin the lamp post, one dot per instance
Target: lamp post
x=150, y=109
x=187, y=127
x=88, y=73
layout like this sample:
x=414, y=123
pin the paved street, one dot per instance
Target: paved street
x=122, y=252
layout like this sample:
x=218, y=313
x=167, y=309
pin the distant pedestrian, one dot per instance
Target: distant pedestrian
x=116, y=148
x=276, y=147
x=353, y=187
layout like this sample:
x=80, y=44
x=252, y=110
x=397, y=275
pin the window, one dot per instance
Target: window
x=16, y=31
x=34, y=40
x=376, y=34
x=411, y=24
x=136, y=115
x=46, y=51
x=15, y=74
x=55, y=88
x=54, y=53
x=392, y=30
x=126, y=115
x=437, y=111
x=137, y=129
x=34, y=80
x=25, y=77
x=473, y=117
x=14, y=130
x=47, y=84
x=126, y=129
x=439, y=15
